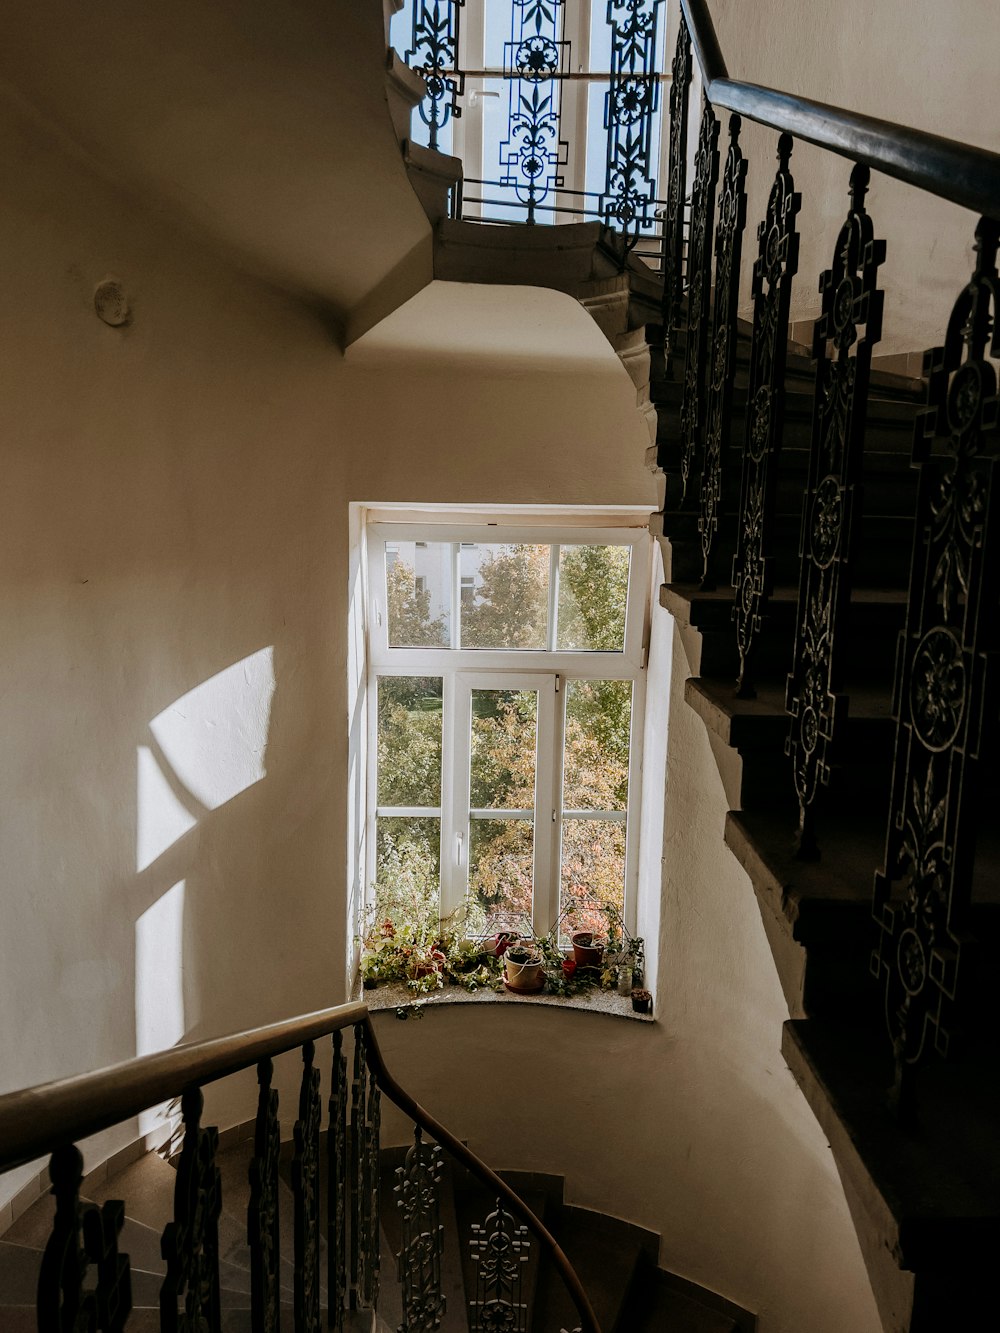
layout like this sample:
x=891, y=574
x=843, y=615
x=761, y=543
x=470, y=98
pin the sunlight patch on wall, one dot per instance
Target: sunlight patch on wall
x=214, y=737
x=160, y=817
x=159, y=984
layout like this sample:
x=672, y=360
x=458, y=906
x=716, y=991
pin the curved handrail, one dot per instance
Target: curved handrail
x=457, y=1149
x=35, y=1120
x=954, y=171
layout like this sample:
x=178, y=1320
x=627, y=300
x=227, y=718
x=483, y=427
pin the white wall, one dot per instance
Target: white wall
x=920, y=64
x=168, y=494
x=693, y=1126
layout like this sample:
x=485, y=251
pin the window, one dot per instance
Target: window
x=506, y=685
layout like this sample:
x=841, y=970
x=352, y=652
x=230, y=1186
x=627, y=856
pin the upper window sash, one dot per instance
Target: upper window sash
x=585, y=662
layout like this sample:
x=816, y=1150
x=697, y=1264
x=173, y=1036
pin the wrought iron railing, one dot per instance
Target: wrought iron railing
x=946, y=686
x=85, y=1283
x=530, y=184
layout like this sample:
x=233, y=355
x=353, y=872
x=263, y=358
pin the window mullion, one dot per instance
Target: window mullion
x=455, y=795
x=548, y=766
x=553, y=594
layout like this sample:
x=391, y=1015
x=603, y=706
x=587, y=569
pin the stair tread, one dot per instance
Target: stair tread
x=934, y=1189
x=764, y=720
x=606, y=1253
x=668, y=1310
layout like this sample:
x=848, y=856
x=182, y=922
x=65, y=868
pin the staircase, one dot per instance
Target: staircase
x=617, y=1260
x=920, y=1177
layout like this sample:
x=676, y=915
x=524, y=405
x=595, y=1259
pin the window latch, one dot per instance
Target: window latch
x=458, y=849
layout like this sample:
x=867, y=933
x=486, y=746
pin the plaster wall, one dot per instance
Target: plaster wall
x=172, y=660
x=913, y=62
x=692, y=1126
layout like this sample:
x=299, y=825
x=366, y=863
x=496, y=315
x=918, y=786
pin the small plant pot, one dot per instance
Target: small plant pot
x=500, y=943
x=642, y=1001
x=585, y=952
x=523, y=974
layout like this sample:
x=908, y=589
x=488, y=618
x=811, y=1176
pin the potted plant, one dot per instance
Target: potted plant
x=588, y=951
x=642, y=1001
x=523, y=966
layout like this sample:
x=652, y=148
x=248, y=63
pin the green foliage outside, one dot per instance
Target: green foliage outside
x=510, y=610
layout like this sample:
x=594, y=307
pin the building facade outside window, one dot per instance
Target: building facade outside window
x=506, y=691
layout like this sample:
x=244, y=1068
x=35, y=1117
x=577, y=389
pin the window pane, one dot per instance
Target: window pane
x=407, y=863
x=598, y=720
x=409, y=740
x=501, y=855
x=507, y=605
x=418, y=594
x=593, y=592
x=504, y=732
x=593, y=867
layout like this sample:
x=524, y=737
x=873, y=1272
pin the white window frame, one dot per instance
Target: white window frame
x=545, y=670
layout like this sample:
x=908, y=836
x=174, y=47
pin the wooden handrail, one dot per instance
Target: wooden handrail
x=36, y=1120
x=49, y=1115
x=954, y=171
x=457, y=1149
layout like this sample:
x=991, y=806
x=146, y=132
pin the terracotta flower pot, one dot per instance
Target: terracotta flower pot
x=585, y=952
x=524, y=971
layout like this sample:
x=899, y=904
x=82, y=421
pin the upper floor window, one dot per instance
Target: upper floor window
x=506, y=669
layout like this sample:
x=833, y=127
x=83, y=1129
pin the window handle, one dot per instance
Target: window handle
x=458, y=848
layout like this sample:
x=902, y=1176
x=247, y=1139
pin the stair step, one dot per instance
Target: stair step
x=608, y=1254
x=665, y=1309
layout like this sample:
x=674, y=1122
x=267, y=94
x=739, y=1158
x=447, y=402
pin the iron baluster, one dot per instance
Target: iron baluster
x=434, y=54
x=336, y=1245
x=673, y=222
x=946, y=692
x=629, y=111
x=359, y=1084
x=190, y=1243
x=305, y=1188
x=849, y=326
x=417, y=1188
x=722, y=356
x=500, y=1249
x=692, y=418
x=777, y=261
x=82, y=1234
x=535, y=59
x=373, y=1121
x=263, y=1210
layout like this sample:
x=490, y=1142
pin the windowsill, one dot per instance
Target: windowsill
x=395, y=996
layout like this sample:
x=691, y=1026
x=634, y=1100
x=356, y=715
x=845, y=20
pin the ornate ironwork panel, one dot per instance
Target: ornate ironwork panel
x=434, y=54
x=535, y=59
x=417, y=1191
x=263, y=1211
x=190, y=1243
x=82, y=1235
x=500, y=1249
x=364, y=1172
x=729, y=231
x=305, y=1188
x=946, y=693
x=706, y=176
x=336, y=1246
x=849, y=326
x=777, y=261
x=628, y=201
x=673, y=222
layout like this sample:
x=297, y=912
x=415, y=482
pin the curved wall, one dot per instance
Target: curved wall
x=692, y=1126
